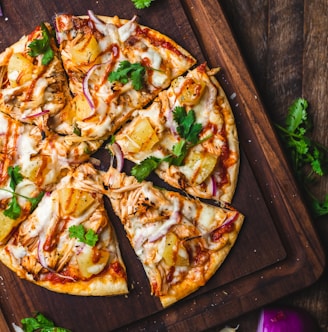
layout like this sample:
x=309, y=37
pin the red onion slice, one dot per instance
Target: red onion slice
x=230, y=220
x=37, y=114
x=43, y=262
x=213, y=186
x=117, y=152
x=85, y=86
x=100, y=25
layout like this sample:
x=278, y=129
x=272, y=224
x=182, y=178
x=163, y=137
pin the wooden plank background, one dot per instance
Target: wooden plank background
x=285, y=45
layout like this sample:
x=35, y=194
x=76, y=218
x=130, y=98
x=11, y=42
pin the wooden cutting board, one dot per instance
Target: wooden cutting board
x=277, y=251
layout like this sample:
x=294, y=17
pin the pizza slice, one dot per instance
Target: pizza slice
x=31, y=163
x=114, y=66
x=180, y=241
x=188, y=136
x=68, y=244
x=33, y=84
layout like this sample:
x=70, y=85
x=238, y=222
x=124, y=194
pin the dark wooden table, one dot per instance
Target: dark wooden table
x=285, y=45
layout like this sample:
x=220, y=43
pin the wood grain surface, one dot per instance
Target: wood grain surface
x=284, y=43
x=281, y=46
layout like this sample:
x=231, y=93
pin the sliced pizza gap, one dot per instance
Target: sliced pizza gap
x=180, y=241
x=68, y=244
x=114, y=66
x=188, y=136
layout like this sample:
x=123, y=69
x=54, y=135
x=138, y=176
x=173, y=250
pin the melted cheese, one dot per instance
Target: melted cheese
x=126, y=30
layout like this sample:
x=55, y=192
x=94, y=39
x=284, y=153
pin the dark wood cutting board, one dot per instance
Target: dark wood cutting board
x=277, y=251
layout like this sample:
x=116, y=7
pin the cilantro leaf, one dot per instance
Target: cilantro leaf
x=15, y=176
x=13, y=210
x=320, y=208
x=141, y=4
x=188, y=131
x=296, y=115
x=89, y=237
x=143, y=170
x=187, y=128
x=35, y=200
x=308, y=158
x=180, y=151
x=127, y=71
x=40, y=323
x=42, y=46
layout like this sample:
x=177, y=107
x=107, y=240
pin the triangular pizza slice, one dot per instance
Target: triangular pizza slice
x=68, y=244
x=180, y=241
x=188, y=136
x=32, y=162
x=114, y=66
x=33, y=83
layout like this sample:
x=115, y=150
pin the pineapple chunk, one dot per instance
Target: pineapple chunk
x=37, y=170
x=86, y=51
x=198, y=166
x=175, y=254
x=20, y=69
x=74, y=202
x=91, y=261
x=82, y=107
x=142, y=138
x=6, y=225
x=191, y=92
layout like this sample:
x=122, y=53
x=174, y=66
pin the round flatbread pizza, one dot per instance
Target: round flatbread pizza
x=94, y=83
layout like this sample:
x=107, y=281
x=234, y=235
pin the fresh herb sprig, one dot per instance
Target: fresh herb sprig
x=188, y=131
x=128, y=71
x=309, y=159
x=40, y=323
x=89, y=236
x=42, y=46
x=14, y=210
x=142, y=4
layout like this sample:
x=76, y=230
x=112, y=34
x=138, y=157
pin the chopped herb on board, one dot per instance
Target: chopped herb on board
x=142, y=4
x=309, y=158
x=40, y=323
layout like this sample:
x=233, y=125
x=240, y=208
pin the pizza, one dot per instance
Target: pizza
x=31, y=163
x=33, y=86
x=192, y=119
x=91, y=84
x=180, y=241
x=68, y=244
x=100, y=55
